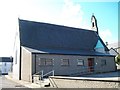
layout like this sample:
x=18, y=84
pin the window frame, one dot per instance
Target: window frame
x=65, y=62
x=49, y=62
x=103, y=62
x=80, y=61
x=5, y=64
x=45, y=63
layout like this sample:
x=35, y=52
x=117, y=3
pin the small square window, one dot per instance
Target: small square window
x=103, y=62
x=49, y=61
x=45, y=61
x=65, y=62
x=42, y=61
x=80, y=62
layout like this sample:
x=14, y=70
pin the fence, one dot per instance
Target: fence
x=39, y=76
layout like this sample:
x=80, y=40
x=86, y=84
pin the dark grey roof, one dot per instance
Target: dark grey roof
x=6, y=59
x=39, y=35
x=66, y=52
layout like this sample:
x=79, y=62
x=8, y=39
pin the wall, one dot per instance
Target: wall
x=16, y=55
x=73, y=68
x=5, y=68
x=26, y=65
x=110, y=64
x=30, y=64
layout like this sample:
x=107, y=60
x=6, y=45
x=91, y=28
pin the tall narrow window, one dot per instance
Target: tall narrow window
x=65, y=62
x=5, y=63
x=5, y=70
x=16, y=57
x=93, y=24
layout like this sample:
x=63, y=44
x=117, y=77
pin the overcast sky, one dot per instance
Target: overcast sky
x=72, y=13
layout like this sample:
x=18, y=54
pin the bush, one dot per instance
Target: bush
x=117, y=59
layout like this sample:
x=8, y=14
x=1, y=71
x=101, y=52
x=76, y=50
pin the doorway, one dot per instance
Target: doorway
x=91, y=64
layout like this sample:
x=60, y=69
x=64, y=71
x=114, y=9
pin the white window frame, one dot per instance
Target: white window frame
x=49, y=62
x=46, y=62
x=80, y=62
x=42, y=61
x=65, y=62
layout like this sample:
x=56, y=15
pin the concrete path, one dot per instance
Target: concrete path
x=6, y=83
x=24, y=83
x=104, y=80
x=111, y=76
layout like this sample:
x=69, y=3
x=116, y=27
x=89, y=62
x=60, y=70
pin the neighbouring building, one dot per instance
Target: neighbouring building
x=114, y=48
x=5, y=65
x=66, y=50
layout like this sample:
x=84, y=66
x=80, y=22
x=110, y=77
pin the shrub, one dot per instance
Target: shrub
x=117, y=59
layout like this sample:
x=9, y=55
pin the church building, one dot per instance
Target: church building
x=67, y=50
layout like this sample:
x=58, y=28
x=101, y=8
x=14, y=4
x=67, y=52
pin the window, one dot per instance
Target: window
x=103, y=62
x=93, y=24
x=5, y=70
x=80, y=62
x=5, y=63
x=49, y=62
x=45, y=61
x=16, y=57
x=65, y=62
x=42, y=61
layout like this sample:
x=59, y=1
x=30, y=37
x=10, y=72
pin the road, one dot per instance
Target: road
x=5, y=83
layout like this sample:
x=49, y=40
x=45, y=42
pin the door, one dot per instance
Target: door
x=91, y=64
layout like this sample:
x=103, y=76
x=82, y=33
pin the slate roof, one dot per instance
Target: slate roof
x=66, y=52
x=43, y=35
x=6, y=59
x=57, y=39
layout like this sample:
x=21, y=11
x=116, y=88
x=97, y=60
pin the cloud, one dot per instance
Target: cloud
x=106, y=35
x=8, y=19
x=71, y=14
x=68, y=14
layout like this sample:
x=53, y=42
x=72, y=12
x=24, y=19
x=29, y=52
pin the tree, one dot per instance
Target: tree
x=117, y=59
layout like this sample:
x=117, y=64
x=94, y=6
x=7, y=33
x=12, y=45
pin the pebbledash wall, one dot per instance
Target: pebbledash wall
x=31, y=64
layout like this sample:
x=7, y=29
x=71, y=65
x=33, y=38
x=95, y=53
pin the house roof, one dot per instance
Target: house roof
x=6, y=59
x=39, y=35
x=114, y=45
x=66, y=52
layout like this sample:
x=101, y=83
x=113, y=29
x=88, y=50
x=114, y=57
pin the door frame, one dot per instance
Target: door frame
x=91, y=64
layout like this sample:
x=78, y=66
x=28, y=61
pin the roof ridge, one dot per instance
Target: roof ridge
x=53, y=24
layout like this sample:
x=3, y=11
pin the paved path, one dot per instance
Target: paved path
x=5, y=83
x=24, y=83
x=104, y=80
